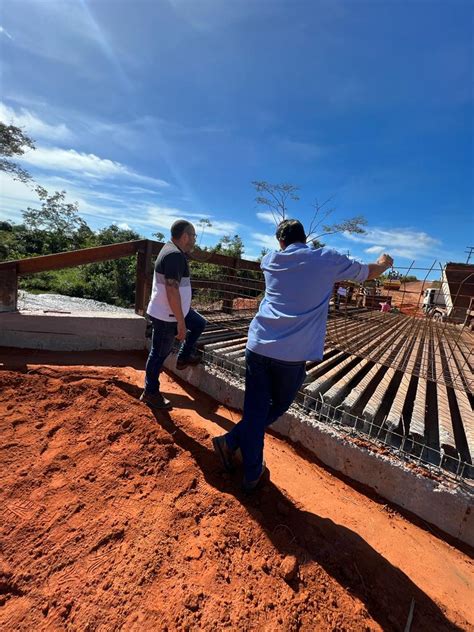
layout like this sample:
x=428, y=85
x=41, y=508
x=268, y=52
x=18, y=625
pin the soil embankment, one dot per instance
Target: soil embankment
x=117, y=518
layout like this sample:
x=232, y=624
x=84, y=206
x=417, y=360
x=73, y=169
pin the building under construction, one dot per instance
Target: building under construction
x=393, y=375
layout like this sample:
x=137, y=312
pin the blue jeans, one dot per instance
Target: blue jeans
x=270, y=388
x=164, y=334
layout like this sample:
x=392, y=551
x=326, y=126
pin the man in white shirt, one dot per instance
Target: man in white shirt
x=170, y=311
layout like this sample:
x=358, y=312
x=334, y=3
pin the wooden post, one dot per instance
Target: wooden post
x=144, y=277
x=8, y=288
x=228, y=302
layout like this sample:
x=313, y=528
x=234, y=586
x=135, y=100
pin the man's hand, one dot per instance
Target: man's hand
x=181, y=335
x=385, y=260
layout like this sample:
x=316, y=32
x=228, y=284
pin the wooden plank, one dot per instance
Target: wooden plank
x=75, y=257
x=144, y=278
x=239, y=287
x=9, y=288
x=202, y=256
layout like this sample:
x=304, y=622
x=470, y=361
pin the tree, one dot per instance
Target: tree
x=158, y=236
x=55, y=213
x=57, y=224
x=14, y=142
x=276, y=197
x=230, y=246
x=204, y=223
x=264, y=251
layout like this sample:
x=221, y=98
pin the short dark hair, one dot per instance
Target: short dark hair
x=290, y=231
x=179, y=227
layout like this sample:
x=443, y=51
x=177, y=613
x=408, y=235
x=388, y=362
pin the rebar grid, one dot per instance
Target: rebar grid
x=399, y=445
x=411, y=338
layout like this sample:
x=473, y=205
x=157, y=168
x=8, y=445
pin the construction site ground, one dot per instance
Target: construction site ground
x=114, y=517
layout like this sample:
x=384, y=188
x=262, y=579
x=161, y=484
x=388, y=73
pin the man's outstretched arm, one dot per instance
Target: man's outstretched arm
x=384, y=262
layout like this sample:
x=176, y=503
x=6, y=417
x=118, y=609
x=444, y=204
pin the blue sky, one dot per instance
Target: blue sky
x=149, y=111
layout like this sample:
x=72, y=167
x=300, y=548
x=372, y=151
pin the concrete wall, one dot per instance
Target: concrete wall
x=447, y=506
x=83, y=331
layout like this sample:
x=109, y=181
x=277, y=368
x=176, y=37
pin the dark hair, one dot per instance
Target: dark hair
x=291, y=231
x=179, y=227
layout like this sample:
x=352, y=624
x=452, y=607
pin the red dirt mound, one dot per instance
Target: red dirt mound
x=117, y=518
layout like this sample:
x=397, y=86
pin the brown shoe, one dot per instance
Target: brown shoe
x=155, y=400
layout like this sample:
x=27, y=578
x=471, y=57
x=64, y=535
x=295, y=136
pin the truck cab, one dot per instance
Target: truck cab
x=433, y=296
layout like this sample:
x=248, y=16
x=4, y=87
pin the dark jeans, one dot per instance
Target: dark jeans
x=162, y=341
x=270, y=388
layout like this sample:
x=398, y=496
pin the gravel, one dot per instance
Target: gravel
x=64, y=304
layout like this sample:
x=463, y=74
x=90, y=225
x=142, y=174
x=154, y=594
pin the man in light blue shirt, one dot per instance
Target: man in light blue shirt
x=288, y=330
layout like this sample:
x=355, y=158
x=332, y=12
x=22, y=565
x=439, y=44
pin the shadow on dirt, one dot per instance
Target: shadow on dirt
x=385, y=590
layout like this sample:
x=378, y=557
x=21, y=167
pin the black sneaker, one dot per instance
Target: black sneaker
x=250, y=486
x=224, y=453
x=192, y=360
x=155, y=400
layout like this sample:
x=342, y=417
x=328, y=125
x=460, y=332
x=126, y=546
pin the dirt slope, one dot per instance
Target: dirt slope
x=116, y=518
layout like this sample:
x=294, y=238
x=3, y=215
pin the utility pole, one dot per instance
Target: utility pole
x=469, y=251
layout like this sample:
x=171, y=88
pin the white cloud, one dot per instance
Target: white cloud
x=100, y=207
x=265, y=241
x=403, y=242
x=32, y=125
x=164, y=216
x=375, y=249
x=266, y=217
x=5, y=32
x=88, y=165
x=15, y=197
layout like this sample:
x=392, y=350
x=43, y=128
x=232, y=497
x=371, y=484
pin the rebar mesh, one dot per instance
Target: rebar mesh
x=394, y=441
x=426, y=332
x=399, y=377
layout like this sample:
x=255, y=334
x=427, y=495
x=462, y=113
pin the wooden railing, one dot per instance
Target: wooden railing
x=144, y=249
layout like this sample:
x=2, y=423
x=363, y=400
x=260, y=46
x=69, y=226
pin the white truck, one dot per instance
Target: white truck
x=453, y=298
x=434, y=303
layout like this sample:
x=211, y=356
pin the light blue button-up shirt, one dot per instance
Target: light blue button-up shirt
x=290, y=324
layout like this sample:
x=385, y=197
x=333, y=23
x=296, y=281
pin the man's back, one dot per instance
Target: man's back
x=291, y=322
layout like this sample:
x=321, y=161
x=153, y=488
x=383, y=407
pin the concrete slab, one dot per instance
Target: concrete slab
x=82, y=331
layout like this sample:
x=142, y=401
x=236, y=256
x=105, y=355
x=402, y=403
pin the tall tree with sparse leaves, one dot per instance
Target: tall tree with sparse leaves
x=14, y=143
x=276, y=198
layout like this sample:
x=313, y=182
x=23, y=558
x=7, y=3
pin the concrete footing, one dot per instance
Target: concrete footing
x=84, y=331
x=440, y=503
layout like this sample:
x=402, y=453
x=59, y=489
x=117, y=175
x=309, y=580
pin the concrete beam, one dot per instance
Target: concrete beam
x=83, y=331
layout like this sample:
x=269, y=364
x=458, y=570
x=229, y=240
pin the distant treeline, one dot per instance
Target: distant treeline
x=58, y=227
